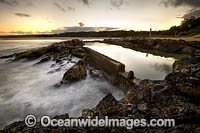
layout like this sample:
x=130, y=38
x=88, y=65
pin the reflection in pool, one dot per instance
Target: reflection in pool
x=144, y=65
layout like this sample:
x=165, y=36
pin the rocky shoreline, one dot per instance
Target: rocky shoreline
x=165, y=45
x=177, y=97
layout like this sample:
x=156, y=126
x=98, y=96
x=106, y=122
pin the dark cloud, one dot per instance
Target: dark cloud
x=71, y=8
x=9, y=2
x=22, y=15
x=30, y=4
x=195, y=4
x=116, y=3
x=83, y=29
x=176, y=3
x=81, y=24
x=59, y=7
x=192, y=13
x=85, y=2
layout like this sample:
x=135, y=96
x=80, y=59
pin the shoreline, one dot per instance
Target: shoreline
x=193, y=38
x=54, y=38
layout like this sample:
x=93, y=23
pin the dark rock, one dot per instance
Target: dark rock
x=89, y=113
x=130, y=75
x=109, y=106
x=79, y=52
x=45, y=59
x=64, y=116
x=139, y=94
x=76, y=72
x=161, y=92
x=95, y=73
x=165, y=45
x=55, y=70
x=77, y=42
x=186, y=81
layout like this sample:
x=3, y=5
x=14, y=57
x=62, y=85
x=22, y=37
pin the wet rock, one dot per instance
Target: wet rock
x=79, y=52
x=95, y=73
x=31, y=54
x=45, y=59
x=75, y=73
x=14, y=127
x=58, y=61
x=53, y=71
x=53, y=65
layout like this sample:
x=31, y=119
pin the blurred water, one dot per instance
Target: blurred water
x=26, y=88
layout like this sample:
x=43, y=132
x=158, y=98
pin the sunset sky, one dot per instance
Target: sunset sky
x=56, y=16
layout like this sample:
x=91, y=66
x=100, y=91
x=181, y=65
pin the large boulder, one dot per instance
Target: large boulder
x=75, y=73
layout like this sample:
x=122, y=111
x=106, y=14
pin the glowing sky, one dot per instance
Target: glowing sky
x=55, y=16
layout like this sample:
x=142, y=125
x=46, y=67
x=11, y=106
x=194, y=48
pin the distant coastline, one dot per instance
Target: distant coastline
x=51, y=38
x=192, y=38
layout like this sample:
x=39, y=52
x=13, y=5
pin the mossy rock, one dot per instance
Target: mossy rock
x=38, y=52
x=64, y=52
x=30, y=54
x=81, y=53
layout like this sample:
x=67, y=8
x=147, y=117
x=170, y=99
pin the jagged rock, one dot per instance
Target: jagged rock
x=139, y=94
x=89, y=113
x=109, y=106
x=64, y=116
x=77, y=42
x=187, y=81
x=185, y=62
x=161, y=92
x=72, y=43
x=165, y=45
x=76, y=72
